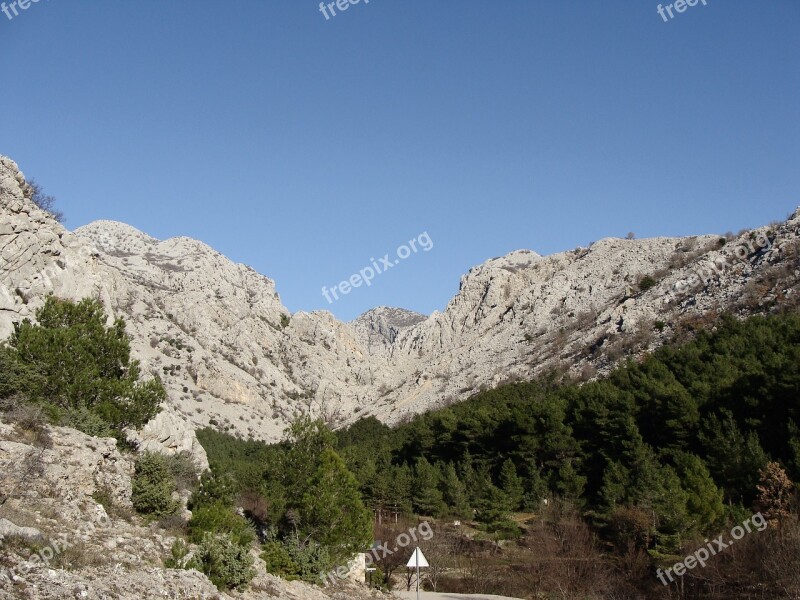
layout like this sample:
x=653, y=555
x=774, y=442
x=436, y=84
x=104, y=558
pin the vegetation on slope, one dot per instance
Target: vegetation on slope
x=298, y=495
x=77, y=370
x=580, y=489
x=638, y=467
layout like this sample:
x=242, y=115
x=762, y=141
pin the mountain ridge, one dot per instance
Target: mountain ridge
x=233, y=357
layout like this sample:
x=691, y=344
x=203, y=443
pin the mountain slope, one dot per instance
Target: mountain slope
x=232, y=356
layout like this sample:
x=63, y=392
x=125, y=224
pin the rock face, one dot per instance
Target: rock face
x=9, y=529
x=168, y=433
x=37, y=255
x=233, y=357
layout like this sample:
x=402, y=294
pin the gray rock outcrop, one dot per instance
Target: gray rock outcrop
x=233, y=357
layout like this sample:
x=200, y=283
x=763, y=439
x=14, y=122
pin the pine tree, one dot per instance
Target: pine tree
x=322, y=500
x=401, y=481
x=511, y=484
x=426, y=497
x=705, y=500
x=330, y=510
x=152, y=486
x=494, y=508
x=454, y=491
x=536, y=489
x=570, y=483
x=469, y=477
x=83, y=368
x=734, y=457
x=668, y=503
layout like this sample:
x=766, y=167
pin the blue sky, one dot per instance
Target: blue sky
x=305, y=147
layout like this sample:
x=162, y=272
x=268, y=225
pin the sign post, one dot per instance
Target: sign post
x=418, y=561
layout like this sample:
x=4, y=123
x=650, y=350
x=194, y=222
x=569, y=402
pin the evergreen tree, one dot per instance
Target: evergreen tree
x=570, y=483
x=705, y=504
x=323, y=503
x=330, y=510
x=454, y=492
x=17, y=378
x=83, y=367
x=401, y=480
x=733, y=456
x=616, y=486
x=152, y=486
x=426, y=497
x=511, y=484
x=668, y=502
x=536, y=489
x=494, y=508
x=469, y=477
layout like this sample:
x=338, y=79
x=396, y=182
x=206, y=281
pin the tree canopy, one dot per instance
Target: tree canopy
x=70, y=361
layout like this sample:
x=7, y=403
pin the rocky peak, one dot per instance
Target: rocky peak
x=232, y=356
x=380, y=326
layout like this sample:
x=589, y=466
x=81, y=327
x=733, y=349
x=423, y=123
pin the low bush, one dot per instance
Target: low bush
x=184, y=471
x=292, y=559
x=226, y=563
x=647, y=282
x=152, y=487
x=179, y=556
x=218, y=517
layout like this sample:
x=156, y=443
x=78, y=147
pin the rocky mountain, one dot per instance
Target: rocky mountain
x=233, y=357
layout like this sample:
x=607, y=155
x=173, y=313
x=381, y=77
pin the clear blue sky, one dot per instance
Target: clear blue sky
x=305, y=147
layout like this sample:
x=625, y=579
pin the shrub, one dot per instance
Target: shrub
x=104, y=496
x=292, y=559
x=85, y=420
x=219, y=517
x=213, y=489
x=153, y=485
x=35, y=194
x=184, y=471
x=178, y=557
x=278, y=560
x=646, y=283
x=29, y=419
x=226, y=563
x=379, y=580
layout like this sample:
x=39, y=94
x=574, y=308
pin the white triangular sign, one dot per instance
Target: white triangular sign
x=417, y=556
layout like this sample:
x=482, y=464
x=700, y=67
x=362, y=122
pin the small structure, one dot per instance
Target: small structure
x=417, y=561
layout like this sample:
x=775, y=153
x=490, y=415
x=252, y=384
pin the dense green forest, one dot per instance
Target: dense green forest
x=560, y=489
x=297, y=496
x=682, y=435
x=650, y=459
